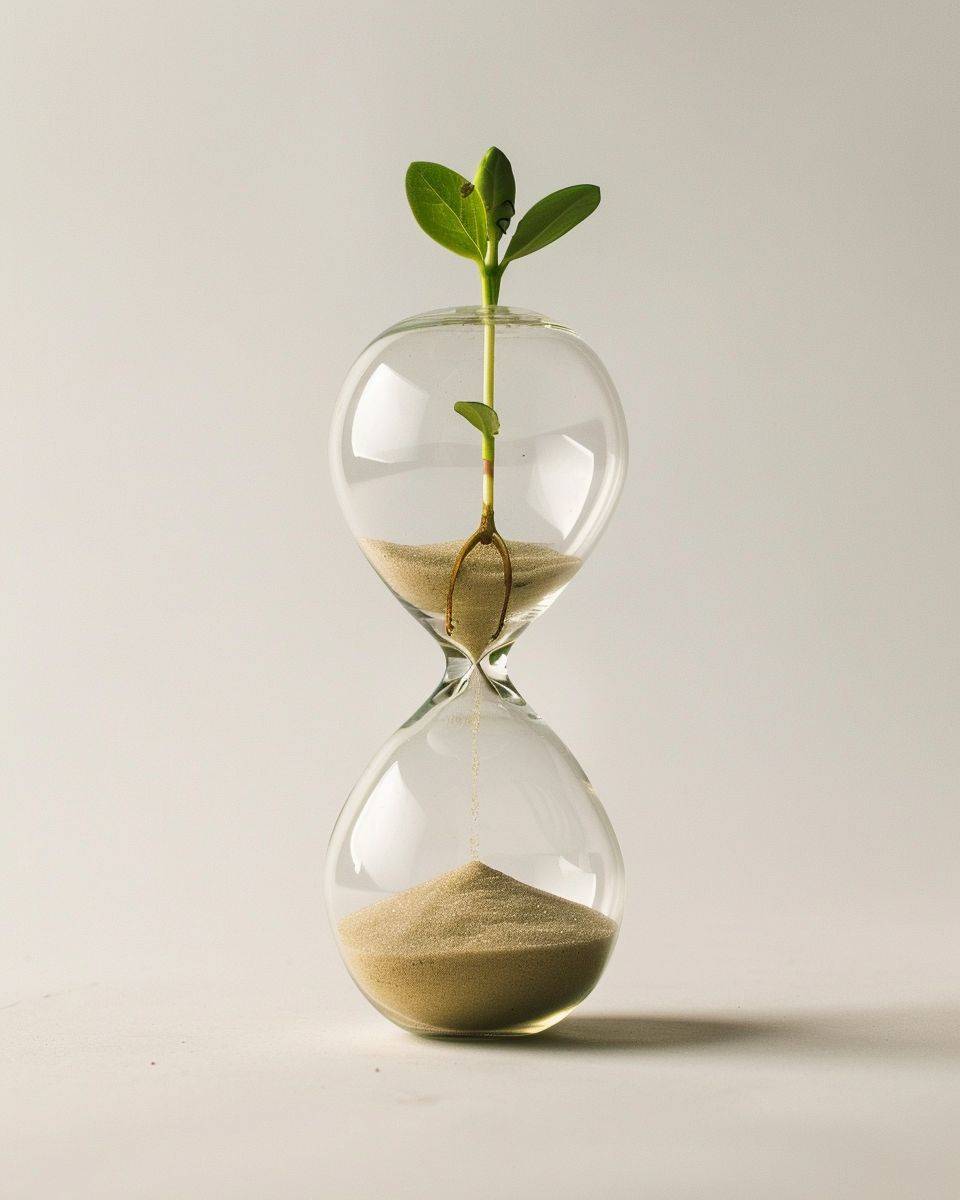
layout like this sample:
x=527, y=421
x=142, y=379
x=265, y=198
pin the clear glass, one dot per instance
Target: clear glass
x=475, y=803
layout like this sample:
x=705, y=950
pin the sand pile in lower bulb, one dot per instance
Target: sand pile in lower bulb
x=475, y=951
x=421, y=576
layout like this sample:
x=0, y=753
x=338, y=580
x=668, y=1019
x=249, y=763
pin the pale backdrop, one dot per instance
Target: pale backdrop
x=202, y=222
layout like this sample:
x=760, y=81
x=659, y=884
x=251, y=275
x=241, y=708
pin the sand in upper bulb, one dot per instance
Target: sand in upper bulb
x=420, y=575
x=476, y=951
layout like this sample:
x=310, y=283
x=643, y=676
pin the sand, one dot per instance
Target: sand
x=475, y=951
x=420, y=575
x=476, y=685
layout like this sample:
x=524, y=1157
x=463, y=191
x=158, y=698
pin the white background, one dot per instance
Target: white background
x=202, y=221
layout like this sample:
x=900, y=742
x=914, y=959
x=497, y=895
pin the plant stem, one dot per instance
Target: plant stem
x=490, y=290
x=486, y=533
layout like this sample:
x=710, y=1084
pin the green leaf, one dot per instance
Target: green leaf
x=482, y=416
x=498, y=190
x=448, y=208
x=552, y=217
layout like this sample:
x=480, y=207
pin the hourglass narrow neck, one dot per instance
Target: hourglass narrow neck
x=458, y=671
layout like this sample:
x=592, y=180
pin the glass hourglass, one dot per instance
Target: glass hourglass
x=473, y=879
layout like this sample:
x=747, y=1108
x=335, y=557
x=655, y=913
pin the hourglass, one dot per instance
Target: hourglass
x=473, y=880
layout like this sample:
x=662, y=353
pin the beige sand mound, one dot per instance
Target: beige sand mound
x=421, y=575
x=475, y=950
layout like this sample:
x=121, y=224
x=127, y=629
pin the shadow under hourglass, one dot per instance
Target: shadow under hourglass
x=882, y=1033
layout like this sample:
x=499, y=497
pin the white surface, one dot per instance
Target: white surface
x=203, y=222
x=832, y=1079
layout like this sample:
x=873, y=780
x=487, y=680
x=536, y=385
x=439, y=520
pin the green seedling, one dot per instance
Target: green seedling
x=471, y=218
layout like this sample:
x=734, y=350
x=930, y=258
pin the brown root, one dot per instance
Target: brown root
x=485, y=535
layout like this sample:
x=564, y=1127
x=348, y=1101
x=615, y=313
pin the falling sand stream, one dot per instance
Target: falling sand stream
x=477, y=685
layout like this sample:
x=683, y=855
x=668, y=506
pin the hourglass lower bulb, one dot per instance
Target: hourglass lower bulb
x=473, y=879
